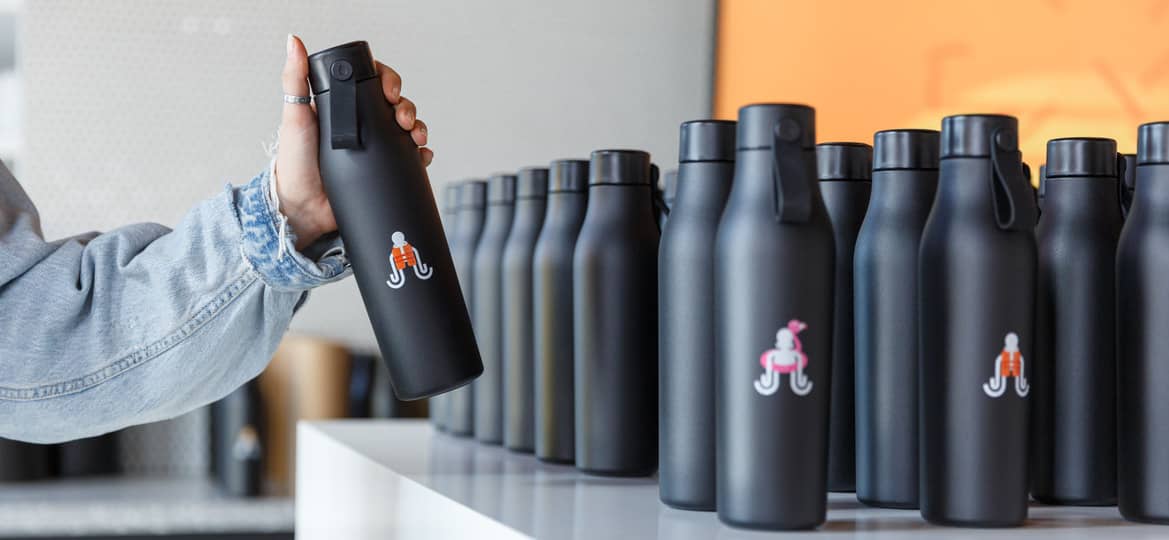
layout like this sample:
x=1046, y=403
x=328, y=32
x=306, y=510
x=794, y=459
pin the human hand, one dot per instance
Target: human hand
x=298, y=172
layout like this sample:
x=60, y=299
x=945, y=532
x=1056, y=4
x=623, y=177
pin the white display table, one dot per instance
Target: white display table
x=399, y=479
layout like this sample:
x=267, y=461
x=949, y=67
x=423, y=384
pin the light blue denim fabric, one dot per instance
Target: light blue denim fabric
x=142, y=323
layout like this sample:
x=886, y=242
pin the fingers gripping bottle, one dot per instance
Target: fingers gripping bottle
x=388, y=219
x=774, y=261
x=977, y=312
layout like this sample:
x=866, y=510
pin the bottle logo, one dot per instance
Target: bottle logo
x=1008, y=363
x=786, y=358
x=404, y=255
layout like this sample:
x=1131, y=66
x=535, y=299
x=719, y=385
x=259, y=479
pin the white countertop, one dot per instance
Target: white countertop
x=399, y=479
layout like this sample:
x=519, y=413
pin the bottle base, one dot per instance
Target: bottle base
x=556, y=460
x=1145, y=518
x=616, y=473
x=490, y=442
x=520, y=449
x=773, y=526
x=437, y=390
x=897, y=505
x=1073, y=501
x=972, y=524
x=690, y=506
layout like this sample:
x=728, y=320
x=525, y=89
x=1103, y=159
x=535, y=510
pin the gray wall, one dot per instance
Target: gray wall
x=135, y=110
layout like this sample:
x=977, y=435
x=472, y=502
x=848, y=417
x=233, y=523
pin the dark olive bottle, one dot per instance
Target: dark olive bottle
x=774, y=263
x=845, y=171
x=487, y=302
x=440, y=404
x=614, y=301
x=1142, y=322
x=977, y=315
x=471, y=211
x=519, y=390
x=905, y=178
x=1074, y=393
x=552, y=309
x=387, y=216
x=686, y=474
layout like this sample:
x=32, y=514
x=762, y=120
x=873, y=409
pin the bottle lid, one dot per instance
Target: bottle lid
x=707, y=140
x=619, y=167
x=532, y=183
x=968, y=135
x=1153, y=143
x=669, y=186
x=352, y=60
x=450, y=197
x=1080, y=156
x=472, y=194
x=501, y=188
x=1130, y=170
x=568, y=175
x=906, y=149
x=759, y=123
x=844, y=161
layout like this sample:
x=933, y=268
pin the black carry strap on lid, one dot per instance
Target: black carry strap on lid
x=791, y=182
x=1014, y=201
x=337, y=70
x=657, y=196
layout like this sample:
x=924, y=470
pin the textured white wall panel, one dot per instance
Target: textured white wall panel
x=134, y=110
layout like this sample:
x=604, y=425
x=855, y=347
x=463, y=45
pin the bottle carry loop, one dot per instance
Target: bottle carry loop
x=344, y=133
x=1123, y=193
x=657, y=198
x=790, y=180
x=1014, y=201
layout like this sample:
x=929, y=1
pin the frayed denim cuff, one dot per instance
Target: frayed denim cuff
x=267, y=242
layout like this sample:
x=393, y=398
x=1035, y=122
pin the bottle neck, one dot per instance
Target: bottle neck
x=964, y=185
x=621, y=201
x=904, y=190
x=1151, y=195
x=703, y=185
x=1081, y=198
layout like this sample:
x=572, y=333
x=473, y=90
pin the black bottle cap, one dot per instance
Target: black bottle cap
x=1082, y=156
x=1153, y=143
x=532, y=183
x=844, y=161
x=619, y=167
x=669, y=186
x=352, y=60
x=757, y=125
x=968, y=135
x=568, y=175
x=707, y=140
x=472, y=194
x=450, y=197
x=501, y=189
x=1130, y=170
x=906, y=149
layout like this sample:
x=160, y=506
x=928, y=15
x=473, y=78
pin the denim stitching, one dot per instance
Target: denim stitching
x=139, y=357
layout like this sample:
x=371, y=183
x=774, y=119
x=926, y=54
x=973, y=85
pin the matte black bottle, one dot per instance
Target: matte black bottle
x=1142, y=337
x=669, y=191
x=488, y=306
x=519, y=388
x=615, y=346
x=1128, y=182
x=21, y=461
x=905, y=178
x=1074, y=390
x=440, y=404
x=774, y=262
x=89, y=457
x=845, y=171
x=686, y=262
x=552, y=310
x=977, y=315
x=386, y=214
x=469, y=224
x=238, y=432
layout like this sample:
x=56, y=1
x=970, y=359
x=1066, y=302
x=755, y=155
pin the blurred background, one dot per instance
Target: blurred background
x=123, y=111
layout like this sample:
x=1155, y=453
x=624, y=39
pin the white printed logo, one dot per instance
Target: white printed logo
x=404, y=255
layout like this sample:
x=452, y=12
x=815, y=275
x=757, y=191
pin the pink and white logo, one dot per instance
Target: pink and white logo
x=786, y=358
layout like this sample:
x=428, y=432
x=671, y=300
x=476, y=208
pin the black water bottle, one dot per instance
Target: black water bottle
x=1142, y=320
x=614, y=274
x=439, y=404
x=387, y=217
x=552, y=309
x=471, y=214
x=519, y=390
x=845, y=171
x=774, y=261
x=1128, y=182
x=488, y=305
x=238, y=430
x=977, y=314
x=21, y=461
x=94, y=456
x=686, y=262
x=905, y=178
x=1074, y=390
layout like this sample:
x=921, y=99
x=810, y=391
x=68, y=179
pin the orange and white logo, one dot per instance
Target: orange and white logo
x=1008, y=363
x=402, y=256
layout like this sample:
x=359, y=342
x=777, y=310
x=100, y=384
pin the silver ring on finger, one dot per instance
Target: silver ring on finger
x=297, y=100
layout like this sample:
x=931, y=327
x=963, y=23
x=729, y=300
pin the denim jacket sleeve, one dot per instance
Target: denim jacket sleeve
x=142, y=323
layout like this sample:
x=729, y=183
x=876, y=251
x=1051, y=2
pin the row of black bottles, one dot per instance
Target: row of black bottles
x=559, y=265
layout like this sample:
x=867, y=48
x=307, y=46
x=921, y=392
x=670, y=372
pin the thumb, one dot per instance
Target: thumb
x=295, y=82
